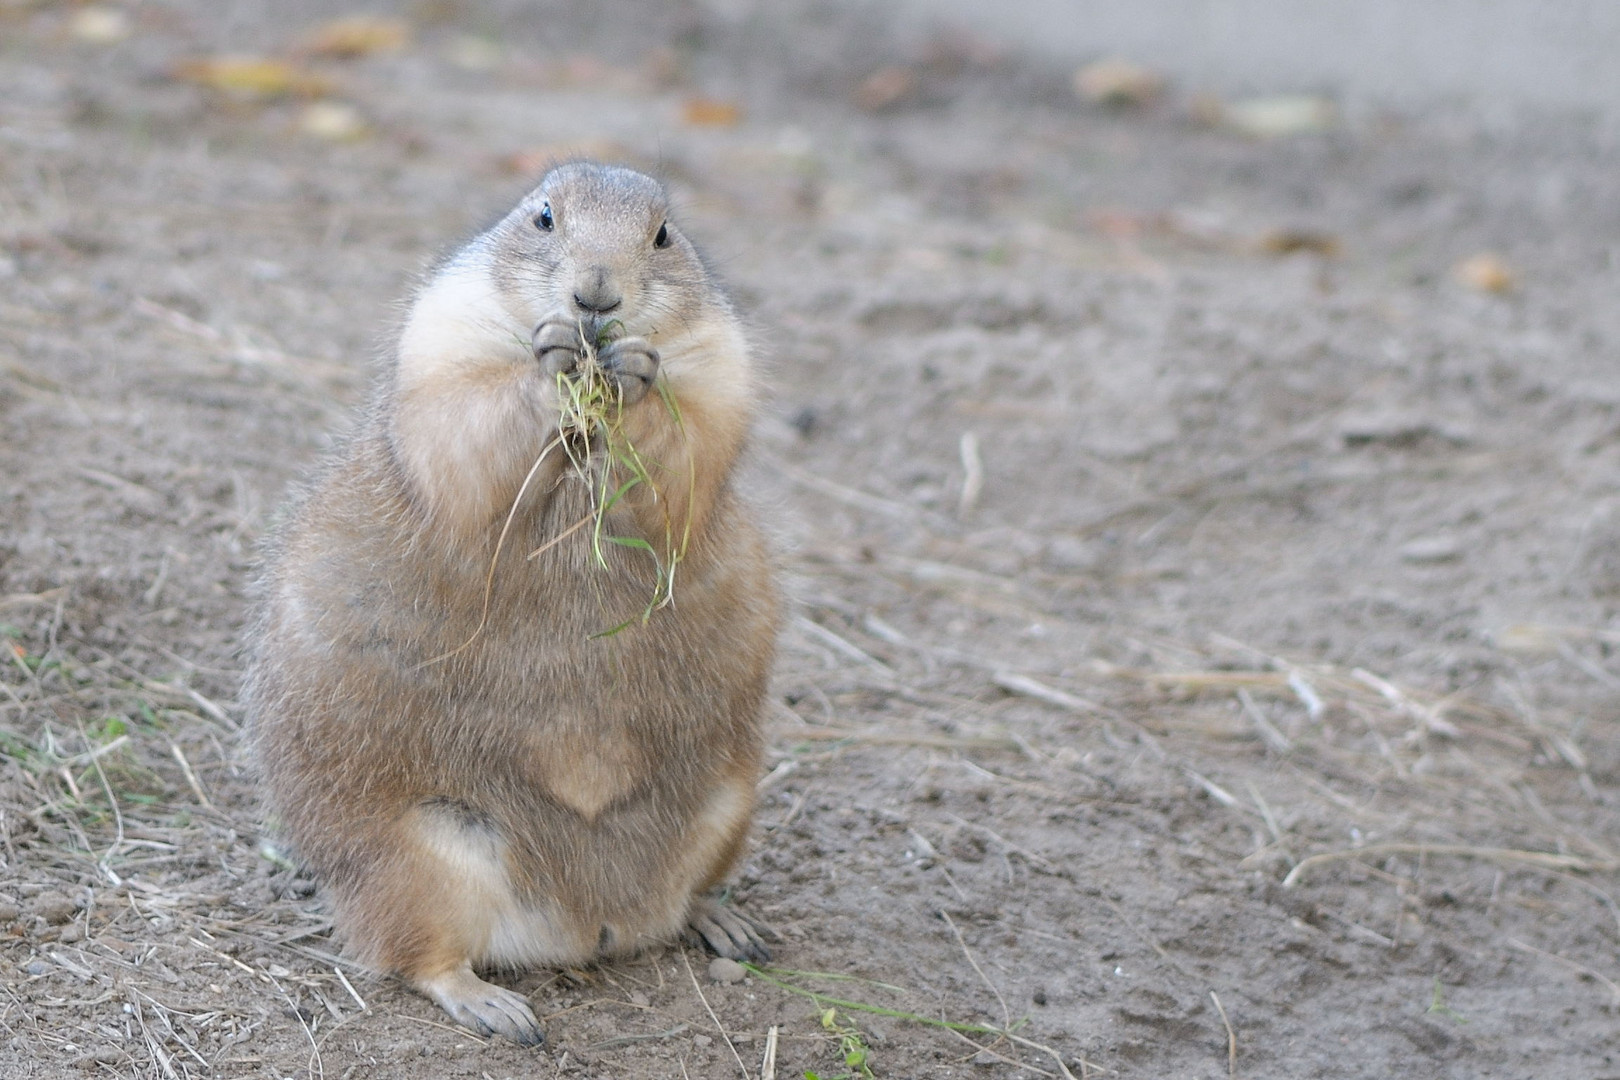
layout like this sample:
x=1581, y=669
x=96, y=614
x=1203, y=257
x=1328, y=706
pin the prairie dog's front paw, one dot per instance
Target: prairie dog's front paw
x=558, y=346
x=631, y=364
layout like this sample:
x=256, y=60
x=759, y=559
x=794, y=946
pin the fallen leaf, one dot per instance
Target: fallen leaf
x=1116, y=81
x=1529, y=639
x=334, y=121
x=1292, y=241
x=885, y=88
x=358, y=35
x=97, y=25
x=710, y=112
x=470, y=52
x=252, y=77
x=1486, y=272
x=1280, y=116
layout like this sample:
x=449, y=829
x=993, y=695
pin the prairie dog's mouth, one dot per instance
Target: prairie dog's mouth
x=601, y=329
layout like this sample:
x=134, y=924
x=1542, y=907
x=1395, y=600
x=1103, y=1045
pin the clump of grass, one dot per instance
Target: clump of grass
x=1437, y=1004
x=592, y=434
x=591, y=423
x=851, y=1047
x=827, y=1006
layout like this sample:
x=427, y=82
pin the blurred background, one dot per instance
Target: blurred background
x=1493, y=52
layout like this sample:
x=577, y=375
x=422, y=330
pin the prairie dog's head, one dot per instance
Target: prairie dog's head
x=595, y=242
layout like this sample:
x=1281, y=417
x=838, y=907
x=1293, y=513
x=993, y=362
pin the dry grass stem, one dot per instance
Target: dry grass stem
x=990, y=1052
x=191, y=778
x=1215, y=791
x=1268, y=731
x=347, y=985
x=892, y=738
x=1015, y=683
x=1265, y=813
x=1598, y=673
x=838, y=644
x=1573, y=965
x=1006, y=1014
x=1544, y=860
x=1231, y=1036
x=560, y=537
x=495, y=558
x=972, y=475
x=767, y=1066
x=718, y=1026
x=40, y=599
x=849, y=496
x=627, y=1040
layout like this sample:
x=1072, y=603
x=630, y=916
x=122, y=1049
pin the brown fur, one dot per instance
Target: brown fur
x=541, y=795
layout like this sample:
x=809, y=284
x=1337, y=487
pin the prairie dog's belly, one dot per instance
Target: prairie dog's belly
x=590, y=888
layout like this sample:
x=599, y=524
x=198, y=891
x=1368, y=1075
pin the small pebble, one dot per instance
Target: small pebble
x=639, y=1000
x=9, y=909
x=71, y=933
x=36, y=967
x=701, y=1040
x=722, y=970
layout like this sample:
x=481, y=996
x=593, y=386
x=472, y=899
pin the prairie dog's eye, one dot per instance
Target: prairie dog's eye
x=662, y=239
x=543, y=220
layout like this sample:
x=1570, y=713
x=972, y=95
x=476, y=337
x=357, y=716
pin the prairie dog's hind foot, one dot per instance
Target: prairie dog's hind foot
x=483, y=1007
x=727, y=932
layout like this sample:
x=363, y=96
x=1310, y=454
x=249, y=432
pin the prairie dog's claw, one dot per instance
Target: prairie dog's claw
x=484, y=1007
x=632, y=363
x=727, y=932
x=557, y=346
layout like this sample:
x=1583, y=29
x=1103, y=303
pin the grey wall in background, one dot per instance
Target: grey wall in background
x=1540, y=53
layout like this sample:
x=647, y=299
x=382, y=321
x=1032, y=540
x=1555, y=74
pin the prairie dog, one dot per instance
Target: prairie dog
x=480, y=776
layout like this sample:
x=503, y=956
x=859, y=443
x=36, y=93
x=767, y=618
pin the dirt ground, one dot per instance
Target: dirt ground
x=1206, y=600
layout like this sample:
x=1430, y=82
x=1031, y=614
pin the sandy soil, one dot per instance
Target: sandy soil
x=1206, y=602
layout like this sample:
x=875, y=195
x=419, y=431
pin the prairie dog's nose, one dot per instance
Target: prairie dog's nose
x=595, y=291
